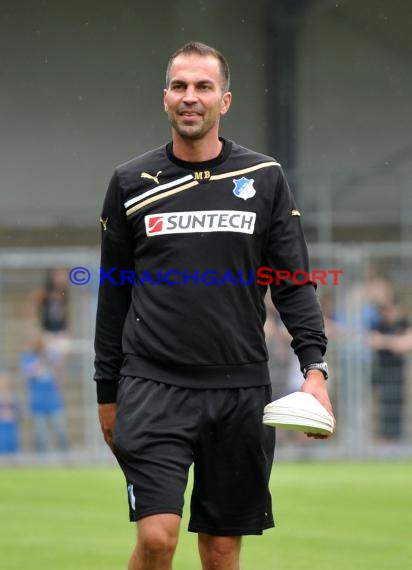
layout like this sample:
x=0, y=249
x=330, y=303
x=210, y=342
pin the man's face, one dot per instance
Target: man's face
x=194, y=100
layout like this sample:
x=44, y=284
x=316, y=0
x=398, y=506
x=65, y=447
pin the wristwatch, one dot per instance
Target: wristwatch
x=322, y=366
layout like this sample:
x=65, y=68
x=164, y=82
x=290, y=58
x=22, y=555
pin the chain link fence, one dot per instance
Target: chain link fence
x=367, y=315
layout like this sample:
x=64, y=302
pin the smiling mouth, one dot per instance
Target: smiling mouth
x=189, y=114
x=190, y=118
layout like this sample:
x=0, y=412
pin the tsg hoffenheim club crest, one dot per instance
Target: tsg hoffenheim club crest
x=244, y=188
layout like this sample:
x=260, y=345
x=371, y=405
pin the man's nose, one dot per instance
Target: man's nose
x=190, y=95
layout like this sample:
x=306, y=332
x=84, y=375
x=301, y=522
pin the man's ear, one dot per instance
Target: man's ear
x=226, y=102
x=164, y=100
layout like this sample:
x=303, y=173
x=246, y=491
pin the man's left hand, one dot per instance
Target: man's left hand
x=316, y=385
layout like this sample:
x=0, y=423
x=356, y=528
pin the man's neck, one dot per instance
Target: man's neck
x=196, y=150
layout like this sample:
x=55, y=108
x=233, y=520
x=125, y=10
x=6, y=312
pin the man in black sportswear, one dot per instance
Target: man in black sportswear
x=181, y=360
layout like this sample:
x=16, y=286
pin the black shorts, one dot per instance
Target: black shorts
x=162, y=429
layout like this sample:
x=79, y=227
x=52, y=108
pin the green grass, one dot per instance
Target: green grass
x=330, y=516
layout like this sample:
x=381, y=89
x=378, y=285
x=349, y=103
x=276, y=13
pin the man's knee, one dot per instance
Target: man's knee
x=219, y=551
x=157, y=544
x=157, y=535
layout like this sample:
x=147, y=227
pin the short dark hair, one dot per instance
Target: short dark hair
x=204, y=50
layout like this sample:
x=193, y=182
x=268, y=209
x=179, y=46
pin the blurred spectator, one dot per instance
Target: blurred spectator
x=51, y=305
x=391, y=340
x=327, y=303
x=357, y=314
x=377, y=289
x=9, y=418
x=40, y=367
x=360, y=310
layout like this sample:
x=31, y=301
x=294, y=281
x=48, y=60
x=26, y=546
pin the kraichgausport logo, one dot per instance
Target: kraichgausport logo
x=266, y=276
x=200, y=221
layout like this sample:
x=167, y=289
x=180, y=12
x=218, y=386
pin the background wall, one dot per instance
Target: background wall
x=354, y=120
x=82, y=91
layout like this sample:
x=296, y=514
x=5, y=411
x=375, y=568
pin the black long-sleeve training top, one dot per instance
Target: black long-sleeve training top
x=182, y=244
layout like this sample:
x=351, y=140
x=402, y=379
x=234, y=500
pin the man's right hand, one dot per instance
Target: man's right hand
x=107, y=418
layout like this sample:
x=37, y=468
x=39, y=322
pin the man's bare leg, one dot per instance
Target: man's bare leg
x=219, y=552
x=156, y=542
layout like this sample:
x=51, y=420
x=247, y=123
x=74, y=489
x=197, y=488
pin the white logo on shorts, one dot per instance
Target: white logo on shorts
x=132, y=498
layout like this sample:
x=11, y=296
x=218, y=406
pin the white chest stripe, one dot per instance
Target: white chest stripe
x=158, y=189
